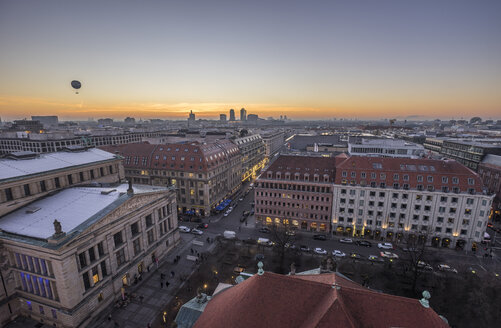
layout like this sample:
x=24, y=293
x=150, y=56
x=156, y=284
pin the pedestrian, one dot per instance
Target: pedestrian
x=109, y=317
x=141, y=298
x=161, y=284
x=172, y=274
x=191, y=250
x=167, y=284
x=116, y=324
x=162, y=276
x=149, y=325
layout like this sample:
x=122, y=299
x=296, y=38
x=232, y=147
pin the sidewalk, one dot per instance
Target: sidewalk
x=138, y=314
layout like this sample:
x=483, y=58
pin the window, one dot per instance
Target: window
x=82, y=259
x=103, y=269
x=86, y=280
x=471, y=181
x=450, y=220
x=134, y=228
x=54, y=313
x=440, y=219
x=70, y=179
x=92, y=255
x=27, y=191
x=420, y=178
x=95, y=275
x=117, y=238
x=151, y=236
x=8, y=194
x=149, y=220
x=43, y=187
x=81, y=176
x=120, y=255
x=57, y=182
x=100, y=249
x=137, y=246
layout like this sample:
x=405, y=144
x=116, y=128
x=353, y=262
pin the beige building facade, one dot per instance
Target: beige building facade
x=63, y=273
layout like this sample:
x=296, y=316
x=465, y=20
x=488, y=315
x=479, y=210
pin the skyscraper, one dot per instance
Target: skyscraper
x=222, y=117
x=232, y=114
x=243, y=115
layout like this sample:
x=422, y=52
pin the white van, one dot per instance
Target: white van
x=229, y=234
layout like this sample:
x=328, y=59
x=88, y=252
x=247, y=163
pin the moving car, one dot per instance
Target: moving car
x=203, y=226
x=389, y=255
x=228, y=234
x=385, y=245
x=265, y=242
x=320, y=237
x=346, y=241
x=197, y=232
x=319, y=250
x=363, y=243
x=338, y=253
x=264, y=230
x=355, y=256
x=184, y=229
x=424, y=266
x=304, y=248
x=375, y=258
x=445, y=267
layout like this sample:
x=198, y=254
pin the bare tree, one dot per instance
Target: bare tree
x=283, y=237
x=415, y=256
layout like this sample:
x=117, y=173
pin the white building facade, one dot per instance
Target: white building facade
x=358, y=146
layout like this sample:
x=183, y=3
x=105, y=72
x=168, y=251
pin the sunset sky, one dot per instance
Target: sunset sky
x=303, y=59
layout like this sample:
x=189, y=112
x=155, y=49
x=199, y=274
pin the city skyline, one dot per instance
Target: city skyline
x=307, y=61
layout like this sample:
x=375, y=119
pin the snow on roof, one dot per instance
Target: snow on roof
x=10, y=168
x=71, y=207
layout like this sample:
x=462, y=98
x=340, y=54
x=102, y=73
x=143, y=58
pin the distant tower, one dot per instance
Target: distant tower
x=232, y=114
x=191, y=118
x=222, y=117
x=243, y=115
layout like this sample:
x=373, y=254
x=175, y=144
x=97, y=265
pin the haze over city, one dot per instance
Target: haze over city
x=161, y=59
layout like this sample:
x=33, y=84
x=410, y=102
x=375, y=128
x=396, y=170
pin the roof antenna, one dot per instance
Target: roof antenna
x=130, y=191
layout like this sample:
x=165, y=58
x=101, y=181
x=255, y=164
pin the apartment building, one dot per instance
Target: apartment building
x=273, y=141
x=204, y=173
x=380, y=198
x=252, y=149
x=76, y=252
x=470, y=153
x=27, y=176
x=297, y=191
x=490, y=172
x=360, y=146
x=53, y=141
x=387, y=198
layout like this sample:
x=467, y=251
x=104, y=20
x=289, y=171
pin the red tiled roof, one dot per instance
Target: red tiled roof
x=410, y=167
x=273, y=300
x=304, y=165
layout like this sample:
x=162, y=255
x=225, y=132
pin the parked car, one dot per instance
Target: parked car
x=252, y=212
x=338, y=253
x=184, y=229
x=265, y=230
x=446, y=268
x=290, y=233
x=196, y=231
x=320, y=237
x=409, y=249
x=304, y=248
x=227, y=213
x=355, y=256
x=319, y=250
x=203, y=226
x=424, y=266
x=239, y=269
x=375, y=258
x=389, y=255
x=385, y=245
x=346, y=241
x=290, y=246
x=265, y=242
x=364, y=243
x=240, y=199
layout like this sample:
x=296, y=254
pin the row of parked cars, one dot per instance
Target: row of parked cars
x=196, y=230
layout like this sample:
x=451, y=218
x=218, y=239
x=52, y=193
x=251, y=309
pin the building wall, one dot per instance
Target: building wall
x=491, y=177
x=72, y=302
x=383, y=213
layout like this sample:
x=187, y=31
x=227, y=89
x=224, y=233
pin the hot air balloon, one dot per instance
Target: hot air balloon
x=76, y=85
